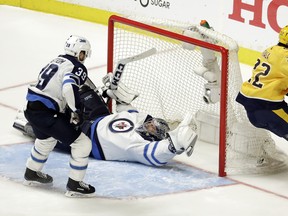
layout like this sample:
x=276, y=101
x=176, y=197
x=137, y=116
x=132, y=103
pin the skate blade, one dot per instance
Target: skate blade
x=74, y=194
x=36, y=184
x=190, y=148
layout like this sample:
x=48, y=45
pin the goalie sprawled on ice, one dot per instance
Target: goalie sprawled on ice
x=126, y=135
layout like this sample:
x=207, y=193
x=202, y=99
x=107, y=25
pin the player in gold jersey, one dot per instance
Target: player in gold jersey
x=263, y=95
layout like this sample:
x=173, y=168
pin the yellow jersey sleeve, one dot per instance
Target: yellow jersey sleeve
x=269, y=80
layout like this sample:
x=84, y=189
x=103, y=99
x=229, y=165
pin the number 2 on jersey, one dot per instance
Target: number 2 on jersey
x=257, y=78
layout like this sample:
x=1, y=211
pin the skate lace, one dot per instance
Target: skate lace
x=84, y=185
x=42, y=175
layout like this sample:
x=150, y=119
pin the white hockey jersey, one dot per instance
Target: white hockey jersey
x=114, y=138
x=58, y=84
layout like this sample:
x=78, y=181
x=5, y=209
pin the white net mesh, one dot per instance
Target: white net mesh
x=169, y=88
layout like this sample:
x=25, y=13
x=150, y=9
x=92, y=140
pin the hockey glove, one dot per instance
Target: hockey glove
x=122, y=94
x=76, y=118
x=183, y=137
x=107, y=79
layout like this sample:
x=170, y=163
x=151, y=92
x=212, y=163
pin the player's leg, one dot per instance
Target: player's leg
x=43, y=145
x=57, y=125
x=38, y=157
x=275, y=121
x=80, y=150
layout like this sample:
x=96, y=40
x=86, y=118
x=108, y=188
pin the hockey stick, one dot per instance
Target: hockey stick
x=121, y=65
x=90, y=84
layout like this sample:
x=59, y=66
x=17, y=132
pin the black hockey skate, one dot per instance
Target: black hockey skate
x=33, y=178
x=79, y=189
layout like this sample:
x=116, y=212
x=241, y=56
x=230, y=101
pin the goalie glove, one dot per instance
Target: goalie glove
x=107, y=79
x=122, y=94
x=183, y=138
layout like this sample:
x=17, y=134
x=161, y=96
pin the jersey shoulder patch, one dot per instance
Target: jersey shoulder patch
x=121, y=125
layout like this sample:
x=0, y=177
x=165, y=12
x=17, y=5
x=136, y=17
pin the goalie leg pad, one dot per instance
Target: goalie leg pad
x=206, y=74
x=208, y=55
x=210, y=62
x=212, y=93
x=192, y=34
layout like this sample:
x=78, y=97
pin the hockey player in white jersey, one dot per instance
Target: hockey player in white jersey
x=56, y=90
x=128, y=135
x=139, y=137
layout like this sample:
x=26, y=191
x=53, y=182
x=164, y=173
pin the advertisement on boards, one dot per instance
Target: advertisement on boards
x=254, y=24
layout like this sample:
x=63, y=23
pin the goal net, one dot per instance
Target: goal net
x=171, y=83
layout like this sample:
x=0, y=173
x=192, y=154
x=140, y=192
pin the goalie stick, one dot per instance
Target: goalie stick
x=121, y=65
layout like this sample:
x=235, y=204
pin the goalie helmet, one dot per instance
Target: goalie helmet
x=75, y=44
x=153, y=129
x=283, y=35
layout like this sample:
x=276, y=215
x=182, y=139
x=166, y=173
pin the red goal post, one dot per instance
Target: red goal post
x=127, y=37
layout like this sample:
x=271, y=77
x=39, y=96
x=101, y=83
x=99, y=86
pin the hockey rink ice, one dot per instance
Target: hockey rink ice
x=187, y=186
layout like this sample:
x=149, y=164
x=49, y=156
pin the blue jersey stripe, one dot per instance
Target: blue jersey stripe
x=153, y=154
x=31, y=96
x=145, y=154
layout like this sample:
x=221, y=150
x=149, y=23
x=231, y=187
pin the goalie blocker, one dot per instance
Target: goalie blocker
x=114, y=88
x=122, y=94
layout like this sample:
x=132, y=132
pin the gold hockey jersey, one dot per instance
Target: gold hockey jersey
x=269, y=79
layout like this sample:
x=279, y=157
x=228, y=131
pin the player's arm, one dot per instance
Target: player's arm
x=70, y=90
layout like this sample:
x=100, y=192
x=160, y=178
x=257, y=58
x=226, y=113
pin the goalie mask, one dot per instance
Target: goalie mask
x=153, y=129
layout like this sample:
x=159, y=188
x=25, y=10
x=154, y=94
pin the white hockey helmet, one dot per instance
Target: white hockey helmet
x=75, y=44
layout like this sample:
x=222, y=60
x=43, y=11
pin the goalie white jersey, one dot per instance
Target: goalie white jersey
x=58, y=84
x=114, y=138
